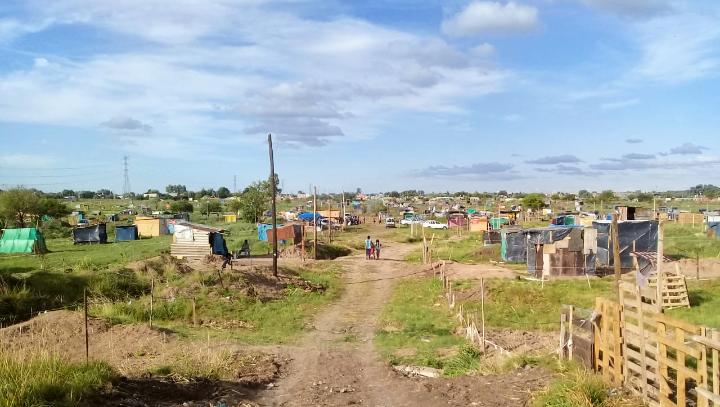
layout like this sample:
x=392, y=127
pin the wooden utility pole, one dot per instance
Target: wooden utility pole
x=659, y=266
x=315, y=223
x=616, y=250
x=343, y=210
x=330, y=221
x=273, y=208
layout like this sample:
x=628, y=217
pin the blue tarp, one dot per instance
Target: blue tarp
x=125, y=233
x=308, y=216
x=262, y=231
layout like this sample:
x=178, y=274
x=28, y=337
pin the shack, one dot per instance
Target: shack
x=560, y=250
x=230, y=218
x=196, y=240
x=689, y=218
x=90, y=234
x=633, y=235
x=126, y=233
x=22, y=240
x=479, y=224
x=513, y=246
x=149, y=226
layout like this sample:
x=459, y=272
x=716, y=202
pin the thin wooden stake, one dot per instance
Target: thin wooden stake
x=194, y=312
x=482, y=310
x=616, y=251
x=660, y=285
x=87, y=336
x=152, y=300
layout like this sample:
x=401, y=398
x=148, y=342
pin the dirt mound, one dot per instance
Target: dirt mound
x=134, y=350
x=522, y=342
x=161, y=265
x=259, y=283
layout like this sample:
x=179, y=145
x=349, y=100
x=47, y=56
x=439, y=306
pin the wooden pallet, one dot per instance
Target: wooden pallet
x=674, y=291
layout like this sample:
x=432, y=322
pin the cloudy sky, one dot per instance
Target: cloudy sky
x=540, y=95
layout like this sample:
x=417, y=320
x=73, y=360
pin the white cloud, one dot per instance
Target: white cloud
x=679, y=47
x=619, y=104
x=483, y=50
x=216, y=71
x=40, y=62
x=491, y=17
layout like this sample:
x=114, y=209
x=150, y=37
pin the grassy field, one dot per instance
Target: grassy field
x=411, y=322
x=688, y=242
x=227, y=309
x=41, y=380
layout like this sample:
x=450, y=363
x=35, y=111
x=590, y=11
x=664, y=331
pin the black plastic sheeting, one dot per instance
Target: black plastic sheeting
x=643, y=233
x=546, y=236
x=90, y=234
x=126, y=233
x=515, y=246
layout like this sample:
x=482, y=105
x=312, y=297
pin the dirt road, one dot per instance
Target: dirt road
x=337, y=365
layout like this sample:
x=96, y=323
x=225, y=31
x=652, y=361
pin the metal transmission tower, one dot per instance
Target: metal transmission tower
x=126, y=182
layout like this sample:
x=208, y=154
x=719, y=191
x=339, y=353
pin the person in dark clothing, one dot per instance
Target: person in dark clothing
x=377, y=249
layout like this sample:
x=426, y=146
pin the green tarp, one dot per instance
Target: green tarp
x=496, y=223
x=26, y=240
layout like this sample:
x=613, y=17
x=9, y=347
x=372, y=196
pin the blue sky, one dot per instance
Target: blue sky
x=544, y=95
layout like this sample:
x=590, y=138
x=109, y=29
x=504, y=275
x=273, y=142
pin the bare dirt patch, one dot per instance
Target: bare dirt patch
x=158, y=368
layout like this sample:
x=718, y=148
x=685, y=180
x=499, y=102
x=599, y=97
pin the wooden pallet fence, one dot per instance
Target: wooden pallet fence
x=608, y=342
x=640, y=345
x=667, y=362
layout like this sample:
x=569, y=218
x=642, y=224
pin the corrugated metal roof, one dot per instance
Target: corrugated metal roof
x=202, y=227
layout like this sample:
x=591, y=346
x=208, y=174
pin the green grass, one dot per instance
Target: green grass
x=688, y=242
x=64, y=256
x=521, y=304
x=704, y=301
x=575, y=386
x=264, y=322
x=468, y=249
x=39, y=380
x=411, y=321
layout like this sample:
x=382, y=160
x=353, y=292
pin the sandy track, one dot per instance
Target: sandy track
x=327, y=369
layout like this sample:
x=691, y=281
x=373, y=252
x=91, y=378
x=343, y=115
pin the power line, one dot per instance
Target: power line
x=74, y=175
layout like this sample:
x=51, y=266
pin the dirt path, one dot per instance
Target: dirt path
x=337, y=365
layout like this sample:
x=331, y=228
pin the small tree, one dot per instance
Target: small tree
x=223, y=192
x=533, y=201
x=210, y=205
x=253, y=201
x=181, y=206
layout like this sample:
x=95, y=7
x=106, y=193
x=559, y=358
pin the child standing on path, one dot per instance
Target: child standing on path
x=368, y=247
x=377, y=249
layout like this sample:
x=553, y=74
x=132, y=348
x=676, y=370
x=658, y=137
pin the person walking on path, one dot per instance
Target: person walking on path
x=368, y=247
x=377, y=249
